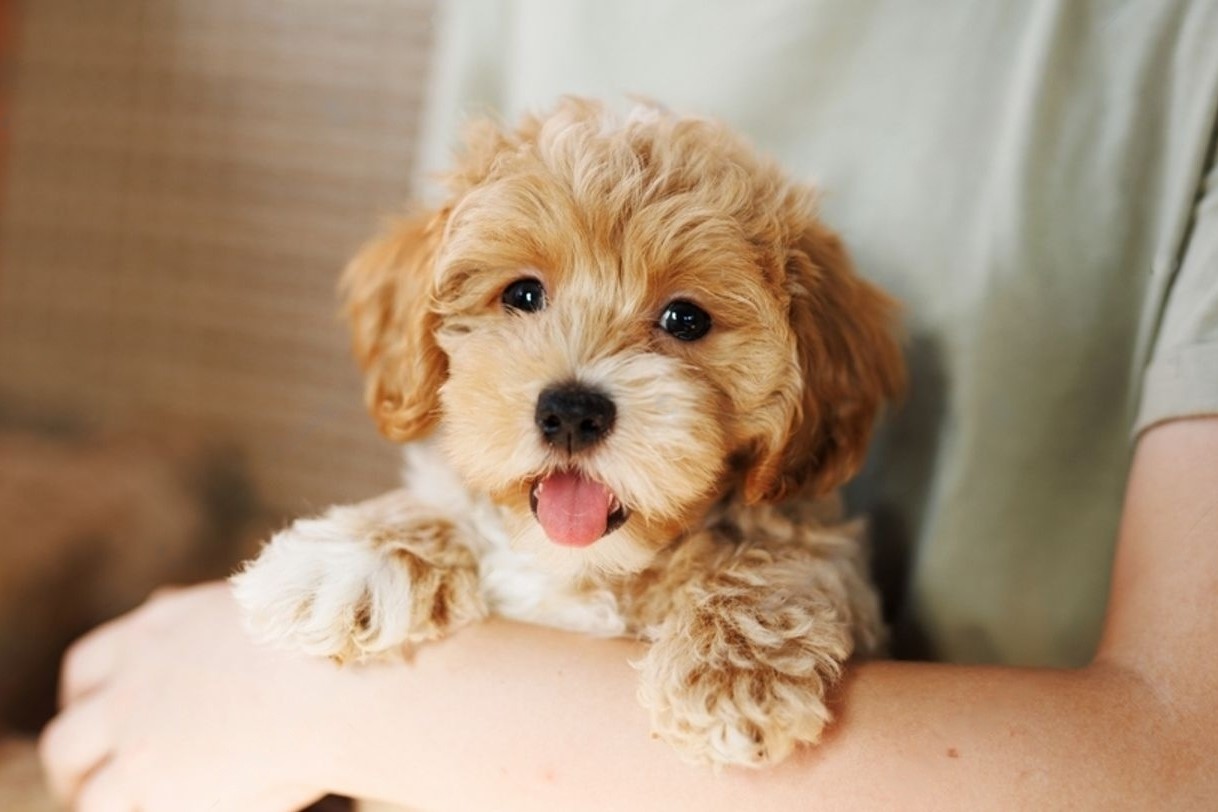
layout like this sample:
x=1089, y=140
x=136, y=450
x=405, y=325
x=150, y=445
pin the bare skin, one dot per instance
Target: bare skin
x=170, y=708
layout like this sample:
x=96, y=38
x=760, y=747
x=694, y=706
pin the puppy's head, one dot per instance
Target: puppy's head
x=614, y=323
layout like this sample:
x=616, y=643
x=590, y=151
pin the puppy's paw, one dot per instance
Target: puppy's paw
x=736, y=717
x=345, y=587
x=740, y=688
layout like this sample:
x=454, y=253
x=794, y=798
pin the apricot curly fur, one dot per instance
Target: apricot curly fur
x=731, y=563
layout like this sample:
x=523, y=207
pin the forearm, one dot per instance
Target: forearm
x=509, y=716
x=173, y=707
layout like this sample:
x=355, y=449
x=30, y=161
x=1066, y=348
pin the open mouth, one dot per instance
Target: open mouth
x=575, y=511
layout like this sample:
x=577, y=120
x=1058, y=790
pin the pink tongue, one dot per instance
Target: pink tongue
x=573, y=510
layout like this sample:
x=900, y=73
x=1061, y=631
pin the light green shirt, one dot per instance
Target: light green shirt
x=1034, y=180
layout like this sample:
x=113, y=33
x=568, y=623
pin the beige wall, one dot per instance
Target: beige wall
x=185, y=180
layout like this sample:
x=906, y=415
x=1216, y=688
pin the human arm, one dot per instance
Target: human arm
x=508, y=716
x=550, y=722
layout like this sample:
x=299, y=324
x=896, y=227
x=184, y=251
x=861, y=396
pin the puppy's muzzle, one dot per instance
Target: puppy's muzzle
x=574, y=417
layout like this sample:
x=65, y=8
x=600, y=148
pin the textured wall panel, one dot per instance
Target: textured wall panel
x=185, y=180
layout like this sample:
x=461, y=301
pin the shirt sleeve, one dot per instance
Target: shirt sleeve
x=1181, y=378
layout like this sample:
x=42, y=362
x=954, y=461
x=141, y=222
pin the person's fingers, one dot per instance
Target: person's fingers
x=88, y=662
x=104, y=791
x=74, y=744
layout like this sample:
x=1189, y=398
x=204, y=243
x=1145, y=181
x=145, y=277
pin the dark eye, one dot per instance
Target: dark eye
x=685, y=320
x=524, y=294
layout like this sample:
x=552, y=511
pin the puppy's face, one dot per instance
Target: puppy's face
x=613, y=323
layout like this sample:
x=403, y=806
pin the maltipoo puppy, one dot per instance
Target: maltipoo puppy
x=630, y=367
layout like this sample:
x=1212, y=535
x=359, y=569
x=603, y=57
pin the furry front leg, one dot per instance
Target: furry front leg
x=361, y=581
x=739, y=667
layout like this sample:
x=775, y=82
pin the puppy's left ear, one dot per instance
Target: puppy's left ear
x=387, y=292
x=849, y=363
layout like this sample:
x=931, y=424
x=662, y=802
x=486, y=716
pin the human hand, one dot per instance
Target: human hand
x=172, y=708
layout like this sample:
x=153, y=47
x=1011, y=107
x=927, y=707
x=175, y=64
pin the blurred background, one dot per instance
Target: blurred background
x=180, y=183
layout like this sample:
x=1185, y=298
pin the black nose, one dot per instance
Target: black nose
x=574, y=417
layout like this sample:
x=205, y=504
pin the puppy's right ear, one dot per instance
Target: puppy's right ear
x=387, y=293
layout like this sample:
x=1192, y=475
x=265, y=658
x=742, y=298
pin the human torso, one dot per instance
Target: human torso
x=1020, y=176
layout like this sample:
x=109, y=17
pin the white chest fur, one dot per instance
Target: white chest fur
x=512, y=582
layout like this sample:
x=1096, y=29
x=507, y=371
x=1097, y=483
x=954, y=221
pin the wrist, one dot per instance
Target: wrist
x=315, y=740
x=356, y=727
x=381, y=729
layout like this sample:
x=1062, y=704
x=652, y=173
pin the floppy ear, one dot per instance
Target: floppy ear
x=387, y=294
x=849, y=364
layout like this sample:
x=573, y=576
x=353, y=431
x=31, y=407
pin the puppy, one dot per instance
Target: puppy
x=628, y=364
